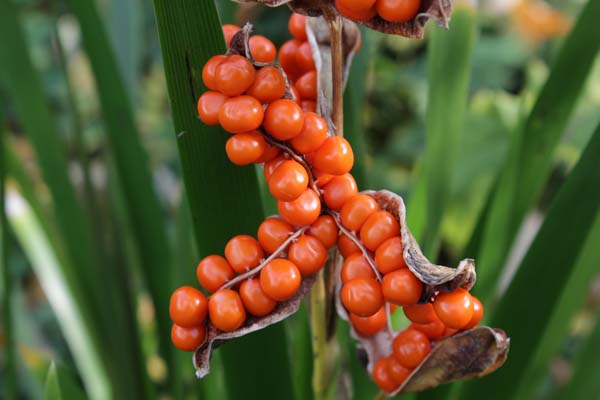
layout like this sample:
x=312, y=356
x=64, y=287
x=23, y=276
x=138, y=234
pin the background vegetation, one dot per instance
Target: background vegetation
x=112, y=195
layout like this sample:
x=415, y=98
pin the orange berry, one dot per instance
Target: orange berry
x=288, y=181
x=245, y=148
x=229, y=31
x=241, y=114
x=243, y=253
x=397, y=10
x=325, y=229
x=209, y=105
x=283, y=119
x=357, y=5
x=255, y=300
x=304, y=57
x=379, y=227
x=209, y=70
x=411, y=347
x=188, y=339
x=455, y=309
x=337, y=192
x=335, y=156
x=347, y=247
x=401, y=287
x=420, y=313
x=297, y=26
x=362, y=296
x=449, y=332
x=307, y=85
x=355, y=15
x=262, y=49
x=368, y=326
x=295, y=95
x=389, y=255
x=287, y=58
x=321, y=178
x=312, y=135
x=309, y=254
x=302, y=211
x=433, y=330
x=270, y=153
x=234, y=76
x=477, y=313
x=272, y=165
x=280, y=279
x=272, y=232
x=188, y=307
x=356, y=211
x=308, y=106
x=397, y=371
x=213, y=272
x=356, y=266
x=381, y=376
x=268, y=85
x=226, y=310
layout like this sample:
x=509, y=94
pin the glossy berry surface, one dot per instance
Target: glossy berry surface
x=312, y=135
x=213, y=272
x=262, y=49
x=188, y=339
x=226, y=310
x=389, y=255
x=229, y=31
x=397, y=10
x=401, y=287
x=455, y=309
x=347, y=247
x=356, y=266
x=307, y=85
x=368, y=326
x=209, y=105
x=335, y=156
x=433, y=330
x=397, y=371
x=477, y=313
x=362, y=296
x=339, y=190
x=302, y=211
x=287, y=58
x=234, y=76
x=241, y=114
x=297, y=26
x=268, y=85
x=243, y=253
x=280, y=279
x=381, y=376
x=356, y=210
x=188, y=307
x=288, y=181
x=254, y=298
x=420, y=313
x=209, y=71
x=304, y=58
x=357, y=5
x=272, y=232
x=325, y=229
x=283, y=119
x=245, y=148
x=379, y=227
x=411, y=347
x=308, y=254
x=355, y=15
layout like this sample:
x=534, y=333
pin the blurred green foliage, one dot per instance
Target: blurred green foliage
x=109, y=209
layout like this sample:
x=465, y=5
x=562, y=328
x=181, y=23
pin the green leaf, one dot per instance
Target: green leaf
x=9, y=366
x=449, y=65
x=584, y=383
x=131, y=162
x=224, y=199
x=60, y=385
x=529, y=303
x=530, y=158
x=65, y=299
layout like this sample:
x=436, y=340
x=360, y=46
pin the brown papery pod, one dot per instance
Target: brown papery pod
x=468, y=354
x=283, y=309
x=438, y=10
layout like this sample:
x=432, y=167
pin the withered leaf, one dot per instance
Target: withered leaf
x=319, y=37
x=215, y=337
x=437, y=278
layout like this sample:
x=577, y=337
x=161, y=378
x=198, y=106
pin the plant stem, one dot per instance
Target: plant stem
x=318, y=323
x=337, y=73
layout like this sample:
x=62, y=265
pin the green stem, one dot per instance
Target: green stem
x=318, y=322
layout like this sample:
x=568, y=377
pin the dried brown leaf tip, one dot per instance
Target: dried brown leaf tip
x=382, y=258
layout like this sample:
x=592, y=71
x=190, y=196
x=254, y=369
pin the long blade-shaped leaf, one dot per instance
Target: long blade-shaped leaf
x=449, y=64
x=60, y=385
x=224, y=199
x=131, y=163
x=529, y=160
x=533, y=294
x=64, y=298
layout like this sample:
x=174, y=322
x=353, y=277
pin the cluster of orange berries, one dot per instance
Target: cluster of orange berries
x=389, y=10
x=367, y=288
